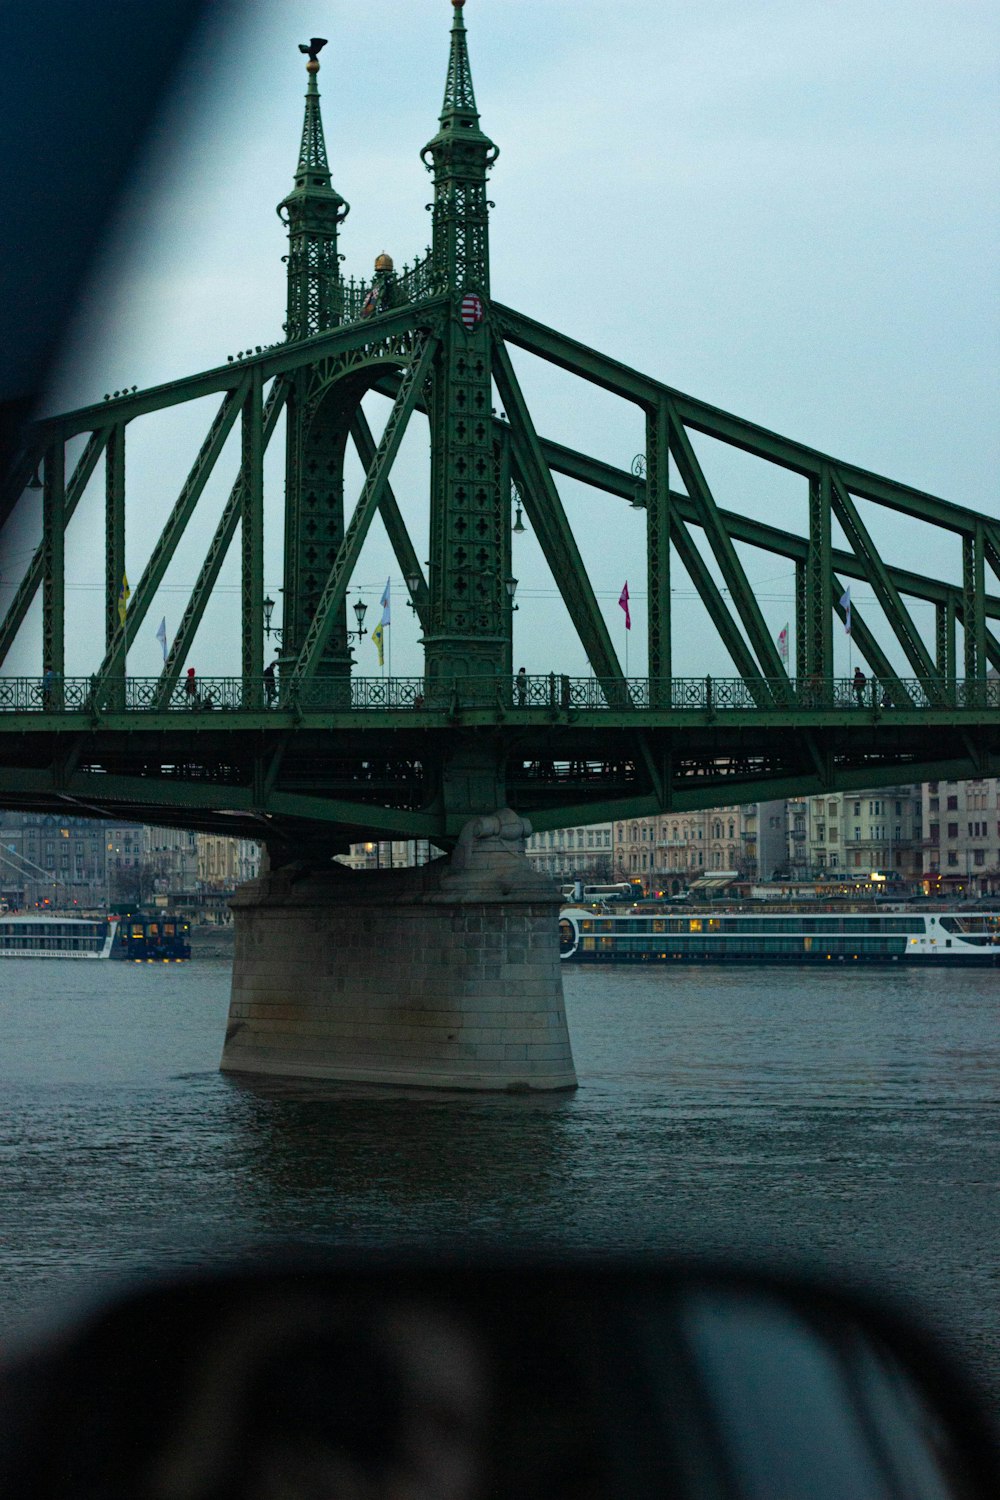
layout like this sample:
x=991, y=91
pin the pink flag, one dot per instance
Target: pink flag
x=623, y=604
x=783, y=645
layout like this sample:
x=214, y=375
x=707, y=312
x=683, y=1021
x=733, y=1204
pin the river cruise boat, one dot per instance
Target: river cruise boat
x=157, y=938
x=717, y=937
x=135, y=937
x=50, y=935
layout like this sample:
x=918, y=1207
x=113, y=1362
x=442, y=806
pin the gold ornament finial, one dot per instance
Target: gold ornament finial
x=383, y=262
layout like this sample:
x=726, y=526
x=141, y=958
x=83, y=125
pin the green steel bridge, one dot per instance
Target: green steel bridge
x=331, y=756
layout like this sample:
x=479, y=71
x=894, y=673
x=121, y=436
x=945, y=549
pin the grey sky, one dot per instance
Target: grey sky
x=786, y=209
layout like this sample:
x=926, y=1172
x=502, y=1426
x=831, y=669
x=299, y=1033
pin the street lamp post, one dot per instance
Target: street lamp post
x=360, y=610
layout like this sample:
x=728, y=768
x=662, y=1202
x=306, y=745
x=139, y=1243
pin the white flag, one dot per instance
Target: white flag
x=783, y=645
x=161, y=635
x=385, y=603
x=845, y=604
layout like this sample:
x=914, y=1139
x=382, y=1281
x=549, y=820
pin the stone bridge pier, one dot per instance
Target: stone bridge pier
x=444, y=976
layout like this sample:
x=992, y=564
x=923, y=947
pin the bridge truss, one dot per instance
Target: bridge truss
x=337, y=758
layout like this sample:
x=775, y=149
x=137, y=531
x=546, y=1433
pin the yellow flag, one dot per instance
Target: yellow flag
x=377, y=641
x=124, y=595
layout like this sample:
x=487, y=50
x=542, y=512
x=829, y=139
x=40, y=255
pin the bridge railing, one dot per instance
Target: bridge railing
x=550, y=692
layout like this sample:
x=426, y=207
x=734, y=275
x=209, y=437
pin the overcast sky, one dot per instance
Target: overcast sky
x=787, y=208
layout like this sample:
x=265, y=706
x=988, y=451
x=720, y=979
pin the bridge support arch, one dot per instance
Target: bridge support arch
x=446, y=976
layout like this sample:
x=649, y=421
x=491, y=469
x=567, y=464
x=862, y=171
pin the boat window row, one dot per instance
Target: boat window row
x=54, y=929
x=678, y=945
x=742, y=926
x=34, y=943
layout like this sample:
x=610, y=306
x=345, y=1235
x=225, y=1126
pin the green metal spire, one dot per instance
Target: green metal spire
x=313, y=210
x=312, y=151
x=468, y=630
x=459, y=98
x=460, y=157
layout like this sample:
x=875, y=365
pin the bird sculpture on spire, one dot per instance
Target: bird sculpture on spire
x=316, y=45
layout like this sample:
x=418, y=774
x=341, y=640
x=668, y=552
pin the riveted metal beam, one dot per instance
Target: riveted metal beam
x=214, y=557
x=882, y=585
x=718, y=611
x=614, y=481
x=657, y=496
x=171, y=534
x=545, y=512
x=613, y=376
x=382, y=337
x=114, y=531
x=944, y=634
x=740, y=590
x=801, y=619
x=32, y=580
x=54, y=573
x=252, y=538
x=973, y=618
x=991, y=545
x=992, y=648
x=819, y=598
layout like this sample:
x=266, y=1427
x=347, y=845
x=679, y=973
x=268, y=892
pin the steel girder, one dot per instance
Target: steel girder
x=218, y=547
x=573, y=770
x=547, y=516
x=31, y=582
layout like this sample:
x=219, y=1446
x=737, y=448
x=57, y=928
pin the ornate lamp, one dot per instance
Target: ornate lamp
x=360, y=610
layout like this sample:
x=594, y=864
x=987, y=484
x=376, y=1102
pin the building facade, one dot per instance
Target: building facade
x=570, y=854
x=66, y=862
x=389, y=854
x=961, y=845
x=857, y=834
x=669, y=852
x=223, y=864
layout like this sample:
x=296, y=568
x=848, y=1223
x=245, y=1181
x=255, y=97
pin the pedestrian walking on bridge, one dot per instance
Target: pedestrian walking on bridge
x=270, y=685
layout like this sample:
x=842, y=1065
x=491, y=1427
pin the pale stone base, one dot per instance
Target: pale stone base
x=443, y=977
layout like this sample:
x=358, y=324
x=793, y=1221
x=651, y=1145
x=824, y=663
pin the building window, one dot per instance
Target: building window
x=953, y=804
x=953, y=830
x=952, y=857
x=979, y=856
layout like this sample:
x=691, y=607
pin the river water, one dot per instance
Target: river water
x=845, y=1121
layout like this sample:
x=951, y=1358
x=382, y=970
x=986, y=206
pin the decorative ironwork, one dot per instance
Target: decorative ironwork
x=313, y=212
x=551, y=692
